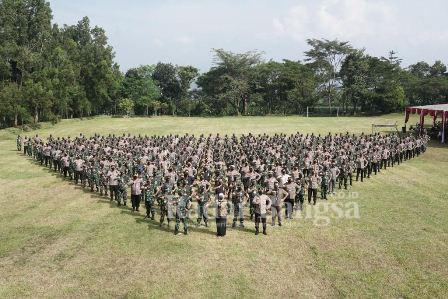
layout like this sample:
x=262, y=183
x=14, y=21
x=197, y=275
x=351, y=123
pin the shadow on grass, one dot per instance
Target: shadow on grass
x=154, y=224
x=438, y=144
x=140, y=218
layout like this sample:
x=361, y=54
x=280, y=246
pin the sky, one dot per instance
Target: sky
x=185, y=31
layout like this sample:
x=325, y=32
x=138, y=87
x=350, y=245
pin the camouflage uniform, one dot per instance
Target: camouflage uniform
x=182, y=206
x=343, y=177
x=203, y=202
x=123, y=189
x=94, y=178
x=237, y=201
x=19, y=143
x=149, y=201
x=324, y=185
x=164, y=201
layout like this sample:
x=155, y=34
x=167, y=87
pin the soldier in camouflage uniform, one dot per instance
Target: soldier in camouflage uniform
x=123, y=188
x=343, y=175
x=237, y=199
x=102, y=180
x=224, y=160
x=149, y=191
x=203, y=198
x=71, y=167
x=84, y=175
x=164, y=196
x=183, y=205
x=368, y=168
x=349, y=170
x=375, y=162
x=94, y=177
x=325, y=178
x=252, y=191
x=300, y=195
x=19, y=143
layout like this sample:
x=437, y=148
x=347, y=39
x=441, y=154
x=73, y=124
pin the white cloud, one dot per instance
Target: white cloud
x=184, y=40
x=294, y=24
x=343, y=19
x=183, y=32
x=158, y=42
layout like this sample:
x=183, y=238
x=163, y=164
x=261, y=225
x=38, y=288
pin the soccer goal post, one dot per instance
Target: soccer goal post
x=323, y=111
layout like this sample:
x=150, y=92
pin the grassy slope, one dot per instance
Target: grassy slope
x=57, y=240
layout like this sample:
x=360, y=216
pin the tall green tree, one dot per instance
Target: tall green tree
x=60, y=72
x=165, y=76
x=98, y=76
x=139, y=86
x=229, y=80
x=385, y=84
x=326, y=58
x=126, y=106
x=12, y=105
x=355, y=79
x=186, y=76
x=300, y=84
x=287, y=86
x=265, y=80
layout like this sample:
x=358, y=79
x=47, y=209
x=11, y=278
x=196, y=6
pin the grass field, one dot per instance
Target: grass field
x=57, y=240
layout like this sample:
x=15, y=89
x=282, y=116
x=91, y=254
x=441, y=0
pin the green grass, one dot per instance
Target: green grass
x=57, y=240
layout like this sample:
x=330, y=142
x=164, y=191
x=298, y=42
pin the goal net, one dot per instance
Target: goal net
x=323, y=111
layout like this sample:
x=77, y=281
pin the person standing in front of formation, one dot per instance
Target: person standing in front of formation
x=136, y=191
x=325, y=178
x=183, y=205
x=236, y=195
x=313, y=183
x=19, y=143
x=334, y=175
x=123, y=182
x=292, y=188
x=25, y=145
x=300, y=195
x=203, y=198
x=279, y=195
x=65, y=161
x=149, y=199
x=112, y=178
x=79, y=164
x=262, y=204
x=385, y=156
x=360, y=164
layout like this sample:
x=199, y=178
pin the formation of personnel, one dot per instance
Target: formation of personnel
x=228, y=173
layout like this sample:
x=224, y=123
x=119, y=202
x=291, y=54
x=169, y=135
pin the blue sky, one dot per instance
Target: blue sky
x=185, y=31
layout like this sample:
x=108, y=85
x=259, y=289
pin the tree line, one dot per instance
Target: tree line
x=48, y=73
